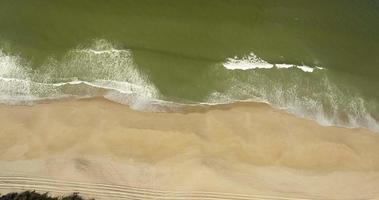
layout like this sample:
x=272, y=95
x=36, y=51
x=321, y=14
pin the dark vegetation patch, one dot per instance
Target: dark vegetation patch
x=32, y=195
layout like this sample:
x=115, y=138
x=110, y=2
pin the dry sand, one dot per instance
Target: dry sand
x=244, y=151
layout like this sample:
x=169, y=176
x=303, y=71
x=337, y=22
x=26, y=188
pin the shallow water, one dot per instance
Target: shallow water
x=315, y=59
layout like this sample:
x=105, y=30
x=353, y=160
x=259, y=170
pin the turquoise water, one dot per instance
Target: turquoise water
x=316, y=59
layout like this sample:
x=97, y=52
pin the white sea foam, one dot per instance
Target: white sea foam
x=97, y=66
x=254, y=62
x=11, y=66
x=14, y=84
x=248, y=62
x=108, y=51
x=102, y=69
x=113, y=69
x=310, y=95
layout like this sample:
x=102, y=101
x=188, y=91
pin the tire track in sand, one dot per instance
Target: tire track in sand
x=106, y=191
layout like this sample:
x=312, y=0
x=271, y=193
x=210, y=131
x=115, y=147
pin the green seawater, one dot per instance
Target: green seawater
x=149, y=52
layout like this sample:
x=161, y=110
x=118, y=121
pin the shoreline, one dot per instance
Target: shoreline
x=183, y=108
x=243, y=148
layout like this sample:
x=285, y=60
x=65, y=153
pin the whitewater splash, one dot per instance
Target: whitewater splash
x=252, y=61
x=99, y=69
x=309, y=95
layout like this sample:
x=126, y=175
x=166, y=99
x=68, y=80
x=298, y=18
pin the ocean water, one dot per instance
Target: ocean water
x=315, y=59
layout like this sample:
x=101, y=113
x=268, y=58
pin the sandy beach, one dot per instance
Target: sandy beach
x=243, y=151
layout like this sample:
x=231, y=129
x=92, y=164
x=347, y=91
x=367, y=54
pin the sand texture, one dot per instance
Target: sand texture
x=243, y=151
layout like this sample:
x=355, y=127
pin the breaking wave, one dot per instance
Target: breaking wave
x=295, y=89
x=252, y=61
x=101, y=69
x=97, y=70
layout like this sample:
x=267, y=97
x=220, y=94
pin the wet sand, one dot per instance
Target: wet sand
x=244, y=151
